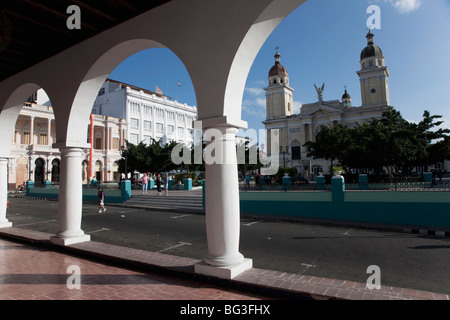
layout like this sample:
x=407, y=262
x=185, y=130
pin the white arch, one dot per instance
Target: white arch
x=267, y=21
x=10, y=113
x=216, y=40
x=92, y=82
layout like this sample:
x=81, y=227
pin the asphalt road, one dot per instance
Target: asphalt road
x=405, y=260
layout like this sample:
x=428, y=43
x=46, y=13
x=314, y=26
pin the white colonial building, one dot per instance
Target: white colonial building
x=297, y=129
x=150, y=115
x=34, y=158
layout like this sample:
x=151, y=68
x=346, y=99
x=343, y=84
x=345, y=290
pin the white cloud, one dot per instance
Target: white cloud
x=405, y=6
x=297, y=106
x=254, y=102
x=255, y=91
x=412, y=121
x=256, y=106
x=444, y=119
x=446, y=124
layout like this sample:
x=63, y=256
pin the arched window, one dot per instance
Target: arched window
x=43, y=136
x=98, y=140
x=39, y=171
x=98, y=170
x=307, y=135
x=85, y=172
x=26, y=135
x=55, y=170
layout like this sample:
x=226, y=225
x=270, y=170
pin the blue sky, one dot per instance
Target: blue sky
x=321, y=42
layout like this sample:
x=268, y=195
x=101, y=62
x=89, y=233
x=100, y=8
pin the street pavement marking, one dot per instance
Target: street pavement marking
x=28, y=224
x=178, y=245
x=182, y=216
x=308, y=265
x=252, y=223
x=99, y=230
x=347, y=233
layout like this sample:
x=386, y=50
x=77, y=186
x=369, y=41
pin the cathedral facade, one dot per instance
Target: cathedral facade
x=297, y=129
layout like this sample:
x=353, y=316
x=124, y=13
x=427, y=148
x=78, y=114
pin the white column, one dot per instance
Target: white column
x=70, y=199
x=49, y=132
x=141, y=121
x=222, y=207
x=4, y=193
x=31, y=130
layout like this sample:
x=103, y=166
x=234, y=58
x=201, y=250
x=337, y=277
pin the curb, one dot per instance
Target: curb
x=277, y=284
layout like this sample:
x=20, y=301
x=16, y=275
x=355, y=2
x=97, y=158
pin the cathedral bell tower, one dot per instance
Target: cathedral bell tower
x=279, y=100
x=373, y=75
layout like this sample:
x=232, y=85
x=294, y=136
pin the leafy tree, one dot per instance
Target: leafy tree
x=147, y=158
x=280, y=174
x=161, y=159
x=434, y=140
x=247, y=163
x=331, y=144
x=389, y=142
x=439, y=151
x=384, y=143
x=136, y=156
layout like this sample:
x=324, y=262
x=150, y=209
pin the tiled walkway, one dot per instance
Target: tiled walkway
x=32, y=273
x=34, y=269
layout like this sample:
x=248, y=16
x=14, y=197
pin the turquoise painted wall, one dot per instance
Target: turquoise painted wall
x=427, y=208
x=89, y=194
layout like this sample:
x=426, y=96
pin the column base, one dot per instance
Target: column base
x=5, y=224
x=69, y=241
x=228, y=272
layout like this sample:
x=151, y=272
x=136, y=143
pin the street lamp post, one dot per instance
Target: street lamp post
x=29, y=168
x=47, y=171
x=284, y=155
x=123, y=148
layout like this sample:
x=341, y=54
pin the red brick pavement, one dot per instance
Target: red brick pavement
x=36, y=273
x=40, y=272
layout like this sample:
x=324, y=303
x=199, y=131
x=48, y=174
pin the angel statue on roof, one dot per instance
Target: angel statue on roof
x=320, y=92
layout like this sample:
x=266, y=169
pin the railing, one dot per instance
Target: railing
x=106, y=185
x=402, y=186
x=395, y=185
x=268, y=186
x=278, y=187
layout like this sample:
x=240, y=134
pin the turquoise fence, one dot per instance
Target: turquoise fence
x=89, y=194
x=412, y=208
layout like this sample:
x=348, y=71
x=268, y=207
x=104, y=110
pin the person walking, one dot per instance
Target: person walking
x=247, y=181
x=101, y=200
x=166, y=185
x=144, y=181
x=257, y=179
x=158, y=183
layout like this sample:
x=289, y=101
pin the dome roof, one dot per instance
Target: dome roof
x=278, y=69
x=371, y=50
x=346, y=96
